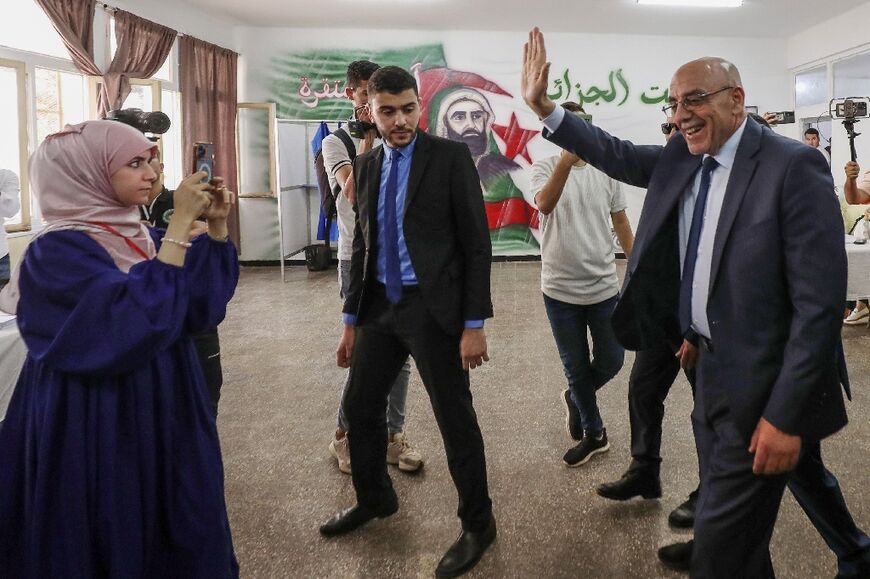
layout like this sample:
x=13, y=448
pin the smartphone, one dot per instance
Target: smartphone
x=784, y=117
x=850, y=108
x=203, y=160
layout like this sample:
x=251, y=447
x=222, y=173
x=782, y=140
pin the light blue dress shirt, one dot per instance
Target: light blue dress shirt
x=404, y=170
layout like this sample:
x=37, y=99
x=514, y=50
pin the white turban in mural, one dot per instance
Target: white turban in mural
x=464, y=114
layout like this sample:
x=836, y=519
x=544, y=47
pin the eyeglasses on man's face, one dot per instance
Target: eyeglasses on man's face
x=692, y=101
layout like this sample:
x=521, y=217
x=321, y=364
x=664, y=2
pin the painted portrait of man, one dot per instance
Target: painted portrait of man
x=462, y=113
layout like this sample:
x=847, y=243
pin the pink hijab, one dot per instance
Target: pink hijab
x=70, y=175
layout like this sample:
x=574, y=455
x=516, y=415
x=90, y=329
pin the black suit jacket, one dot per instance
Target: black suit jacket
x=778, y=274
x=445, y=230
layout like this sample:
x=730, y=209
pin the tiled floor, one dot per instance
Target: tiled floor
x=281, y=390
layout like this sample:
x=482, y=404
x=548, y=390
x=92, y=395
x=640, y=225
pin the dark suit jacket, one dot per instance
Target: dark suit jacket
x=778, y=276
x=445, y=230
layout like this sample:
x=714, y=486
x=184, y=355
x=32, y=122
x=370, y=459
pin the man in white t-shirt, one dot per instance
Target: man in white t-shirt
x=338, y=163
x=578, y=204
x=10, y=203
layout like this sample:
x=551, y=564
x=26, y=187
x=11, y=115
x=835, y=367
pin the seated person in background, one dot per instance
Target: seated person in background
x=126, y=478
x=9, y=206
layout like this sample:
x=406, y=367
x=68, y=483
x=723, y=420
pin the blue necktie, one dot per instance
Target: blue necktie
x=393, y=270
x=709, y=166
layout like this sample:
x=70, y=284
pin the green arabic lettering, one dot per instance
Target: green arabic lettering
x=624, y=84
x=652, y=100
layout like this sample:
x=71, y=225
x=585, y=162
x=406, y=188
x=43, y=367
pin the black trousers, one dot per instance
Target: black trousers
x=652, y=376
x=385, y=338
x=208, y=347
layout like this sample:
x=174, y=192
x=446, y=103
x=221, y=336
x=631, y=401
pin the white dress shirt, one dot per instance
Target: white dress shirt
x=715, y=198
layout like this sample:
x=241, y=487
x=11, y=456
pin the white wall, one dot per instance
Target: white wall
x=645, y=61
x=840, y=34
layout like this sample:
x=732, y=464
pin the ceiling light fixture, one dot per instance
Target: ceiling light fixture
x=701, y=3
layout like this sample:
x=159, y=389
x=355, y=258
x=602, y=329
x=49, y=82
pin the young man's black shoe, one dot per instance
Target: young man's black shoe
x=592, y=444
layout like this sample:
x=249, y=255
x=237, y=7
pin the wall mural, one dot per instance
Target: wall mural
x=457, y=105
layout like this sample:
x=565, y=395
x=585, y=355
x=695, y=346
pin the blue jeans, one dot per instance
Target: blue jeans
x=398, y=394
x=569, y=323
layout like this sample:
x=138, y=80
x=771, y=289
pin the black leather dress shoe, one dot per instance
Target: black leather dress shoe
x=466, y=551
x=683, y=517
x=677, y=556
x=354, y=518
x=634, y=483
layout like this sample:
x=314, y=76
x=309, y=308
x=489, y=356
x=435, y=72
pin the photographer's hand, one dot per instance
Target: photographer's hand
x=189, y=201
x=368, y=141
x=853, y=194
x=216, y=213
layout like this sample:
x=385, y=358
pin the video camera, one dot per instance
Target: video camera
x=155, y=122
x=357, y=128
x=851, y=110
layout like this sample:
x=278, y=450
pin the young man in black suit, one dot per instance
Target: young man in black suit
x=420, y=286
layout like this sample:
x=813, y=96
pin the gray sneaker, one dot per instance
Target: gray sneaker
x=340, y=451
x=403, y=454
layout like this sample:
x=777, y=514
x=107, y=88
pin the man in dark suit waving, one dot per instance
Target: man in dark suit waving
x=740, y=248
x=420, y=286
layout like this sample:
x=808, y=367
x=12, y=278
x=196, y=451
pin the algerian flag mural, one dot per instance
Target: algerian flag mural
x=456, y=105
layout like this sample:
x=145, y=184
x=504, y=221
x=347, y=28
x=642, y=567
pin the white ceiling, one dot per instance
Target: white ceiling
x=757, y=18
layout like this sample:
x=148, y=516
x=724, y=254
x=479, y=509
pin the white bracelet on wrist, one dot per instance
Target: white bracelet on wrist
x=184, y=244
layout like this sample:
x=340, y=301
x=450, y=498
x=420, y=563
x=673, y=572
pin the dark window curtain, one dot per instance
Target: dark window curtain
x=142, y=48
x=208, y=107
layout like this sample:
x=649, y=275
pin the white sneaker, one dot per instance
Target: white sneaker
x=858, y=317
x=339, y=450
x=400, y=452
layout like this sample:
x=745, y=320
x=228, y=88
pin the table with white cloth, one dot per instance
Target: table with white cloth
x=858, y=284
x=12, y=354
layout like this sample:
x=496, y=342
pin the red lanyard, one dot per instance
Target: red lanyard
x=129, y=241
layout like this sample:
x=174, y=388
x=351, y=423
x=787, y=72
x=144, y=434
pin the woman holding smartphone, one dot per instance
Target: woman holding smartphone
x=110, y=463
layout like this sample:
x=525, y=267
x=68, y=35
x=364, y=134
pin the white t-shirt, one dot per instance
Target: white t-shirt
x=334, y=158
x=10, y=203
x=578, y=265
